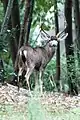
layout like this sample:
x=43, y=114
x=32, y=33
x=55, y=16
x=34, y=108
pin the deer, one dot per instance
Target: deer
x=31, y=59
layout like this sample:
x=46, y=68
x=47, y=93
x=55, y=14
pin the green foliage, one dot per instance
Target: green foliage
x=1, y=13
x=32, y=41
x=5, y=39
x=5, y=53
x=4, y=42
x=1, y=20
x=7, y=63
x=41, y=8
x=8, y=70
x=21, y=9
x=70, y=73
x=1, y=44
x=40, y=11
x=49, y=84
x=43, y=13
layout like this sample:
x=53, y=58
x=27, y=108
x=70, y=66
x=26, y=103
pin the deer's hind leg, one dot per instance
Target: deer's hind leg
x=36, y=80
x=19, y=76
x=27, y=75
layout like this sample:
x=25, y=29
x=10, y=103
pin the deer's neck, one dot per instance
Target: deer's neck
x=50, y=51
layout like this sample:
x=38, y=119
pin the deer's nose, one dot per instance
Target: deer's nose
x=20, y=77
x=53, y=43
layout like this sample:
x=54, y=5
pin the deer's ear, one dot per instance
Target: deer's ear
x=63, y=37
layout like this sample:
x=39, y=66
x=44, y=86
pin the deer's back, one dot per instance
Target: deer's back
x=36, y=57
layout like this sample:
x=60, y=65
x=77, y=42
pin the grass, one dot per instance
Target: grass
x=12, y=112
x=35, y=111
x=71, y=115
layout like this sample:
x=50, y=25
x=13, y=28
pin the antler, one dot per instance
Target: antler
x=61, y=35
x=61, y=32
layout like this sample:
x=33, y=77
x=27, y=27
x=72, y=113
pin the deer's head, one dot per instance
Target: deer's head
x=53, y=41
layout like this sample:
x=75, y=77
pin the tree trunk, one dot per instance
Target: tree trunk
x=29, y=21
x=57, y=78
x=10, y=21
x=25, y=29
x=22, y=38
x=77, y=26
x=69, y=49
x=15, y=19
x=7, y=15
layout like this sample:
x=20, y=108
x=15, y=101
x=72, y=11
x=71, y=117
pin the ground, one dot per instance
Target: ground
x=50, y=106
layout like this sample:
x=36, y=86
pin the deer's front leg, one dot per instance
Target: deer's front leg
x=40, y=81
x=36, y=80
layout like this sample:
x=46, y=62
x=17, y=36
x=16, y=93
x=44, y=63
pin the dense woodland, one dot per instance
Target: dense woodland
x=39, y=26
x=18, y=21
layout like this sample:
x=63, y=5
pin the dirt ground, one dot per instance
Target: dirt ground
x=9, y=95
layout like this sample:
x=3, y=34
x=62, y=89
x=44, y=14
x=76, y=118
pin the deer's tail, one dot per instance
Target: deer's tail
x=23, y=55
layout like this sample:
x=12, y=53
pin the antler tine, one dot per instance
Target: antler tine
x=41, y=27
x=60, y=33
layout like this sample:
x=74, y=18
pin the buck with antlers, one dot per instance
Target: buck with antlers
x=36, y=59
